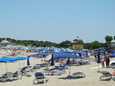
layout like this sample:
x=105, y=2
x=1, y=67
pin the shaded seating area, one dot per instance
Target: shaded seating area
x=40, y=77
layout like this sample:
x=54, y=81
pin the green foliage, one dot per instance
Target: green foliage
x=108, y=41
x=66, y=44
x=108, y=38
x=2, y=39
x=114, y=37
x=93, y=45
x=87, y=45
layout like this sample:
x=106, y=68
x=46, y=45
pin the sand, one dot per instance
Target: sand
x=91, y=79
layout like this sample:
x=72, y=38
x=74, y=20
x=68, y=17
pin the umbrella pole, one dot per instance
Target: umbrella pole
x=98, y=68
x=34, y=61
x=19, y=64
x=69, y=71
x=6, y=67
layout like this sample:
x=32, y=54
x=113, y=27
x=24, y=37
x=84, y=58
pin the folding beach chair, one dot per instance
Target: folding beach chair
x=40, y=77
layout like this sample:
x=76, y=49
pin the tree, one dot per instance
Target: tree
x=108, y=41
x=87, y=45
x=96, y=44
x=114, y=37
x=65, y=44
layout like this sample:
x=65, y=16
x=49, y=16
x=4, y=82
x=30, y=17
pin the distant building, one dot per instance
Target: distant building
x=112, y=45
x=80, y=40
x=78, y=45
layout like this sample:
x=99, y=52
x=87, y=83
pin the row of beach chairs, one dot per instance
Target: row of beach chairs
x=10, y=76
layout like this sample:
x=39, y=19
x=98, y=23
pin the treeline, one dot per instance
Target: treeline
x=64, y=44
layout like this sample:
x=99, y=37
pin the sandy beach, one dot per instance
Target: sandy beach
x=91, y=79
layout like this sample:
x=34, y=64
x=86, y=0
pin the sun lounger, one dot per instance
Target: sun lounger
x=7, y=76
x=47, y=72
x=54, y=72
x=78, y=75
x=18, y=74
x=40, y=77
x=36, y=67
x=112, y=65
x=107, y=76
x=27, y=69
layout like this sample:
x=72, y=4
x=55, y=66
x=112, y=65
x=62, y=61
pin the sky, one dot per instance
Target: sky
x=57, y=20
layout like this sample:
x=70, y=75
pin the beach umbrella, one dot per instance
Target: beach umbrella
x=42, y=54
x=112, y=55
x=7, y=59
x=21, y=58
x=100, y=51
x=67, y=55
x=113, y=51
x=34, y=55
x=110, y=50
x=97, y=49
x=77, y=52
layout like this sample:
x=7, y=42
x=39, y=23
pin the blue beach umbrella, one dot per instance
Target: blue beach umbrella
x=6, y=59
x=112, y=55
x=110, y=50
x=67, y=55
x=77, y=52
x=34, y=55
x=42, y=54
x=21, y=58
x=100, y=51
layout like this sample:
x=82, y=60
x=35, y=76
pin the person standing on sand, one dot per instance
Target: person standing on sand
x=102, y=61
x=107, y=59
